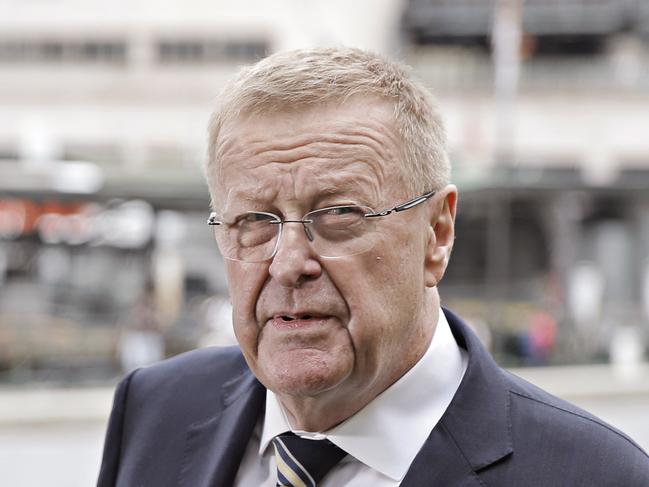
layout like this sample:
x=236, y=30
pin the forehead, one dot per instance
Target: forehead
x=327, y=149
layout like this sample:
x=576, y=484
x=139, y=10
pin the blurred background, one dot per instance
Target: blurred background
x=105, y=259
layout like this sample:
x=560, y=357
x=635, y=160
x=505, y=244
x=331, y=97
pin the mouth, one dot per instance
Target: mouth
x=299, y=320
x=294, y=317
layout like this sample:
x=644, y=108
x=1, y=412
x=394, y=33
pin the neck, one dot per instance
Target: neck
x=315, y=414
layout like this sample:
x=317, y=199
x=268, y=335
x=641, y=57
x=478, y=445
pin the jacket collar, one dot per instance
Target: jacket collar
x=475, y=429
x=214, y=447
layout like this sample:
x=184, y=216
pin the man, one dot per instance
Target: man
x=333, y=211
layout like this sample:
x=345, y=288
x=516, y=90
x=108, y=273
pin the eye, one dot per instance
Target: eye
x=252, y=217
x=340, y=210
x=254, y=229
x=338, y=216
x=257, y=217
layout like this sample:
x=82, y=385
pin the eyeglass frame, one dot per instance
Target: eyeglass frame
x=411, y=203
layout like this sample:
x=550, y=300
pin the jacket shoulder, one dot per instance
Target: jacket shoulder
x=580, y=447
x=155, y=408
x=555, y=408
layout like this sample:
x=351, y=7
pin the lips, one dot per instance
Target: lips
x=297, y=320
x=288, y=317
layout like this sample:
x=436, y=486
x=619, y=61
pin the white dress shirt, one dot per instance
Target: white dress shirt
x=383, y=438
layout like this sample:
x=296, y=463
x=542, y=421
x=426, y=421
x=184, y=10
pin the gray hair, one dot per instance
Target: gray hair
x=311, y=77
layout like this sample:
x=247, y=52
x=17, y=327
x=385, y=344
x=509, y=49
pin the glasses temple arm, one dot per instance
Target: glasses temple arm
x=404, y=206
x=413, y=202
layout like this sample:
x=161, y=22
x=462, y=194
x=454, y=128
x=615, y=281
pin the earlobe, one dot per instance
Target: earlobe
x=441, y=236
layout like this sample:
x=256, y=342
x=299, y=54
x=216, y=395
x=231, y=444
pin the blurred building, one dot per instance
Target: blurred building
x=547, y=105
x=103, y=115
x=103, y=112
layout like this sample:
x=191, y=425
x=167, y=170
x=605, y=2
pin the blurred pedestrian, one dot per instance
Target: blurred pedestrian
x=141, y=342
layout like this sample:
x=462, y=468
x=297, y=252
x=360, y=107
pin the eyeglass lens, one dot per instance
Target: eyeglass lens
x=334, y=232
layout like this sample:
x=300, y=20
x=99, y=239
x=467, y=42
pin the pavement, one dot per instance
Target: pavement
x=53, y=436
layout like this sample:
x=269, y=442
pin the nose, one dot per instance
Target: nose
x=295, y=259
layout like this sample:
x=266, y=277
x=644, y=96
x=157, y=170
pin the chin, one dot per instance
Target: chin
x=306, y=379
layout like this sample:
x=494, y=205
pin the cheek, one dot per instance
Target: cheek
x=385, y=297
x=244, y=283
x=370, y=295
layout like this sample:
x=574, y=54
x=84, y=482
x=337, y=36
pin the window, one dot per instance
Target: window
x=63, y=51
x=207, y=51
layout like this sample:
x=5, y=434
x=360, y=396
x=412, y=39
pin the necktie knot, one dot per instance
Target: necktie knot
x=302, y=462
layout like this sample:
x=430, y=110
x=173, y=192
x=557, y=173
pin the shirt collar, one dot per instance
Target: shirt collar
x=387, y=433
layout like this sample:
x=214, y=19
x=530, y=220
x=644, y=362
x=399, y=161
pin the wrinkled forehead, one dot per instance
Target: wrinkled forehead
x=333, y=146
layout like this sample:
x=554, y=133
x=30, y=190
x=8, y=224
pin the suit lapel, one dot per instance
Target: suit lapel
x=214, y=447
x=440, y=462
x=475, y=431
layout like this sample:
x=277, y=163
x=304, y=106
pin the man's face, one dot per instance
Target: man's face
x=309, y=326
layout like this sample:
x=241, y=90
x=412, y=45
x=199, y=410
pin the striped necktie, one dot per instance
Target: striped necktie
x=302, y=462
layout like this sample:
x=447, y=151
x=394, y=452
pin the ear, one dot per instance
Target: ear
x=441, y=235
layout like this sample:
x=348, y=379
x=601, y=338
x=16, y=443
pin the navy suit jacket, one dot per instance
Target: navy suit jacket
x=186, y=421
